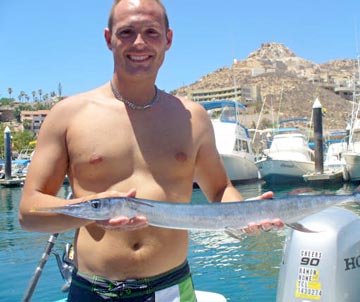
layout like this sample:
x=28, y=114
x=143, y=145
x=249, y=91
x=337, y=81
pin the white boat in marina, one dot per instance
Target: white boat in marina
x=334, y=160
x=352, y=155
x=334, y=148
x=288, y=158
x=334, y=167
x=352, y=160
x=232, y=140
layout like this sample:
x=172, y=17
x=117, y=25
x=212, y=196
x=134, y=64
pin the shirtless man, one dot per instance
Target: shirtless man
x=127, y=138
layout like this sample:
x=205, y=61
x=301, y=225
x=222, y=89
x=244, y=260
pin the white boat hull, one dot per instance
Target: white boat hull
x=239, y=168
x=352, y=160
x=288, y=159
x=233, y=141
x=280, y=171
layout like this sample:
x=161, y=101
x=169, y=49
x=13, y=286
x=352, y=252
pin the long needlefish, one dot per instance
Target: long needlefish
x=228, y=217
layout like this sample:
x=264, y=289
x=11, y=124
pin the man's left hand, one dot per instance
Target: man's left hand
x=254, y=228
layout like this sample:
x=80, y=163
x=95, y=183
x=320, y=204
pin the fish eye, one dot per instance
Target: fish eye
x=95, y=204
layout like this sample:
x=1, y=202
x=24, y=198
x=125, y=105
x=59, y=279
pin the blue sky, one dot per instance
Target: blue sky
x=44, y=42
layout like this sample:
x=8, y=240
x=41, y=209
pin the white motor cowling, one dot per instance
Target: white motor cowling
x=322, y=266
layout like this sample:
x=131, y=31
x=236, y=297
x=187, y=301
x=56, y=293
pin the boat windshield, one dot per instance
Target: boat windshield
x=225, y=111
x=228, y=114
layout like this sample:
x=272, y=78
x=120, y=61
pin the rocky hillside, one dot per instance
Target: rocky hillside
x=289, y=84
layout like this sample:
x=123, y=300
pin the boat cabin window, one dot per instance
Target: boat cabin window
x=241, y=145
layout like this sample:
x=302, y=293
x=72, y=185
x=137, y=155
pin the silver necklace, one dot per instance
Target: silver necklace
x=132, y=105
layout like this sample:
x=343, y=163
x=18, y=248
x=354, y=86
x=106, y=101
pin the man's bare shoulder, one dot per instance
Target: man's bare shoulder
x=74, y=104
x=200, y=120
x=198, y=112
x=194, y=107
x=81, y=99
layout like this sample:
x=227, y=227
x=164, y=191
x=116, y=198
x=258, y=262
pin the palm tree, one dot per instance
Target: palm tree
x=33, y=95
x=22, y=94
x=40, y=93
x=59, y=90
x=10, y=91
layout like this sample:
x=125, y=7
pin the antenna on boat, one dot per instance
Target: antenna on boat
x=280, y=102
x=259, y=119
x=356, y=93
x=356, y=39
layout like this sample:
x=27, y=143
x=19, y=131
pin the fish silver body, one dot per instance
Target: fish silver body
x=212, y=216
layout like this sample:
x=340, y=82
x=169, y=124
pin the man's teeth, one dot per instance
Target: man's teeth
x=141, y=58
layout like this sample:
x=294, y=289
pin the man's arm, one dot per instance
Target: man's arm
x=210, y=173
x=47, y=170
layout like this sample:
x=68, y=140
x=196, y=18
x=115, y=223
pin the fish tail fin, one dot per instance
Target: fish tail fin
x=299, y=227
x=356, y=195
x=357, y=190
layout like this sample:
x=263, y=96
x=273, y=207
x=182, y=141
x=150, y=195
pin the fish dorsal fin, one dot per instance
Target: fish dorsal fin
x=357, y=190
x=139, y=201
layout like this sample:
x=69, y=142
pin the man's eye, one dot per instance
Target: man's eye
x=152, y=32
x=124, y=33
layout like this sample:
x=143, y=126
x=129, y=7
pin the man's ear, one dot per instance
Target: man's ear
x=169, y=38
x=107, y=36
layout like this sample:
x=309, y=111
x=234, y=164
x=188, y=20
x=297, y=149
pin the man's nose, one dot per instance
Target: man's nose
x=139, y=39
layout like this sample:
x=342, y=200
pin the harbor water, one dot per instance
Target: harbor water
x=244, y=270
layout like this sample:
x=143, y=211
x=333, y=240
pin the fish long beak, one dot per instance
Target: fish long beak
x=52, y=209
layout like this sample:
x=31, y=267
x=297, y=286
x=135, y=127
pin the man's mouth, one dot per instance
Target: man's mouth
x=139, y=58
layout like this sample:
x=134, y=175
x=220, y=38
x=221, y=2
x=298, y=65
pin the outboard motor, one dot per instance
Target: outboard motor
x=322, y=266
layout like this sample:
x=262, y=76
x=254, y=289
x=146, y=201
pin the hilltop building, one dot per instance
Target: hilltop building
x=273, y=61
x=242, y=94
x=36, y=118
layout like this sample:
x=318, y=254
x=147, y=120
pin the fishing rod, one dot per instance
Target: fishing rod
x=44, y=257
x=38, y=271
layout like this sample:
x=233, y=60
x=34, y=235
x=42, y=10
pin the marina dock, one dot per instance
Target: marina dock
x=327, y=176
x=12, y=182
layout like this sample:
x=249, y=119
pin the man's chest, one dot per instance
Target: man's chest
x=121, y=149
